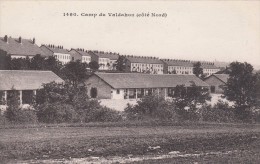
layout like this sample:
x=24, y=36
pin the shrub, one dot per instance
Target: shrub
x=221, y=112
x=151, y=107
x=21, y=115
x=102, y=114
x=91, y=111
x=56, y=113
x=3, y=120
x=256, y=116
x=57, y=103
x=188, y=100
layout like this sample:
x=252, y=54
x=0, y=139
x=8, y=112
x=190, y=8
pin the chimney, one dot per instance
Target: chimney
x=20, y=40
x=33, y=41
x=6, y=39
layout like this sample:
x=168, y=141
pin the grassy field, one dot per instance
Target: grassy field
x=66, y=142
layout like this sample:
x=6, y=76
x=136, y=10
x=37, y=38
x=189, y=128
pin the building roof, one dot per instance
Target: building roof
x=57, y=49
x=139, y=80
x=143, y=59
x=209, y=66
x=101, y=54
x=172, y=62
x=26, y=79
x=187, y=63
x=25, y=48
x=81, y=52
x=221, y=77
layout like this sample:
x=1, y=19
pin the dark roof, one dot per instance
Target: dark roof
x=143, y=59
x=82, y=53
x=139, y=80
x=56, y=49
x=222, y=77
x=26, y=48
x=172, y=62
x=209, y=66
x=26, y=79
x=100, y=54
x=224, y=71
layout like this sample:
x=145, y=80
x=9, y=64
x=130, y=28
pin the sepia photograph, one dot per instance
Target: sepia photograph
x=153, y=81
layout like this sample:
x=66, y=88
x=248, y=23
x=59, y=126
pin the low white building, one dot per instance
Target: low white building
x=58, y=52
x=24, y=83
x=137, y=85
x=80, y=54
x=173, y=66
x=209, y=68
x=142, y=64
x=106, y=60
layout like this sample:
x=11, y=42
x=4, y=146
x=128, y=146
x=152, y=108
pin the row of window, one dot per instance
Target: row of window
x=139, y=93
x=180, y=72
x=147, y=69
x=60, y=57
x=106, y=60
x=179, y=68
x=27, y=96
x=211, y=70
x=144, y=65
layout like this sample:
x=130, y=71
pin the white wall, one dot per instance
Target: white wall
x=115, y=95
x=64, y=58
x=20, y=56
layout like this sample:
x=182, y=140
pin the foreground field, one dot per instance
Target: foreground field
x=218, y=143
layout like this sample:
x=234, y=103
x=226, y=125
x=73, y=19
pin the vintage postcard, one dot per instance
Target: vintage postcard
x=129, y=81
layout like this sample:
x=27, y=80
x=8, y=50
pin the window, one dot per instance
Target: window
x=2, y=97
x=117, y=91
x=93, y=92
x=131, y=93
x=27, y=96
x=212, y=89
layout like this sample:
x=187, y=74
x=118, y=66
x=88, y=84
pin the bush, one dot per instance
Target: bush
x=221, y=112
x=56, y=113
x=188, y=100
x=151, y=107
x=15, y=114
x=102, y=114
x=91, y=111
x=3, y=120
x=256, y=116
x=20, y=115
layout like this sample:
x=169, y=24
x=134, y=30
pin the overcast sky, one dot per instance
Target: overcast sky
x=192, y=30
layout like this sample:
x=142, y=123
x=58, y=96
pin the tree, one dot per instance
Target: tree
x=52, y=64
x=37, y=62
x=5, y=61
x=197, y=70
x=187, y=100
x=240, y=88
x=93, y=65
x=13, y=103
x=258, y=88
x=121, y=63
x=74, y=72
